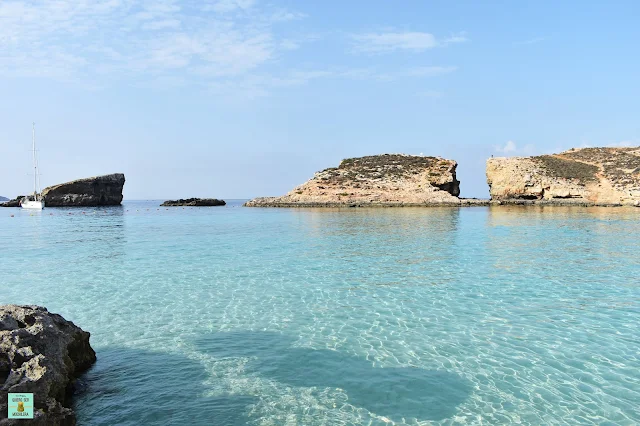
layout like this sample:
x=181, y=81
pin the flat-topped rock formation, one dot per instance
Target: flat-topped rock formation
x=41, y=353
x=195, y=202
x=377, y=180
x=90, y=192
x=586, y=176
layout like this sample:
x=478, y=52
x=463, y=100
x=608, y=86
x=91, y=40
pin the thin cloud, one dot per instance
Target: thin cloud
x=429, y=94
x=221, y=45
x=283, y=15
x=157, y=37
x=257, y=86
x=161, y=25
x=227, y=6
x=511, y=148
x=534, y=40
x=289, y=45
x=412, y=41
x=428, y=71
x=457, y=38
x=372, y=74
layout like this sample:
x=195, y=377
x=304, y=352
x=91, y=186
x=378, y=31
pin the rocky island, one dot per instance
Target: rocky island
x=89, y=192
x=41, y=353
x=586, y=176
x=195, y=202
x=377, y=180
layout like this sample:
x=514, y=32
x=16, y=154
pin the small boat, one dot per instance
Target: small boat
x=35, y=201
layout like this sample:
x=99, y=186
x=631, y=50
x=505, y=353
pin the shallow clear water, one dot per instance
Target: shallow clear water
x=234, y=315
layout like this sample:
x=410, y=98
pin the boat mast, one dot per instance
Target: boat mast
x=35, y=165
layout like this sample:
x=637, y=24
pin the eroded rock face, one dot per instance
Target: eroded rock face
x=95, y=191
x=378, y=180
x=196, y=202
x=592, y=176
x=41, y=353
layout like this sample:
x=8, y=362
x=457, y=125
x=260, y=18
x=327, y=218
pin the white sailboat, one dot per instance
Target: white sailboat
x=34, y=201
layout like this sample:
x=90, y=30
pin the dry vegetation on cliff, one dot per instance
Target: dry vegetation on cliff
x=566, y=169
x=605, y=176
x=387, y=167
x=620, y=165
x=387, y=179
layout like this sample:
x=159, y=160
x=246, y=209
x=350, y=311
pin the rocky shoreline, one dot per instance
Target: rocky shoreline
x=41, y=353
x=267, y=202
x=276, y=202
x=606, y=177
x=583, y=177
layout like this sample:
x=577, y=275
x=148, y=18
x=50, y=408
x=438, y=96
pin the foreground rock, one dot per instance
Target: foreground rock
x=41, y=353
x=378, y=180
x=587, y=176
x=198, y=202
x=90, y=192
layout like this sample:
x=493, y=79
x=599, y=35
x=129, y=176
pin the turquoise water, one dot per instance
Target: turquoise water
x=233, y=315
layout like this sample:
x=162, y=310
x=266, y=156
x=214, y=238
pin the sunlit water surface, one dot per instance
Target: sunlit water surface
x=435, y=316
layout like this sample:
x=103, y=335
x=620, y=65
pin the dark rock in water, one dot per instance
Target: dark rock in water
x=90, y=192
x=41, y=353
x=13, y=203
x=197, y=202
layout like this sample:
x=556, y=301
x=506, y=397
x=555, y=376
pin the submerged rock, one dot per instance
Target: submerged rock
x=377, y=180
x=90, y=192
x=197, y=202
x=41, y=353
x=587, y=176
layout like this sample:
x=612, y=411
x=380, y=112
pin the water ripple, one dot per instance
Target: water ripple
x=341, y=317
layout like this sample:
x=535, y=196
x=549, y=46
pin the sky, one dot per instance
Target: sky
x=245, y=98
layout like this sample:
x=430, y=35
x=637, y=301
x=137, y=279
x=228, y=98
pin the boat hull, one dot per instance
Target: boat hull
x=32, y=205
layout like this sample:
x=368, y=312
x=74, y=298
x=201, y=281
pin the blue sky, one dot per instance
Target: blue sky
x=244, y=98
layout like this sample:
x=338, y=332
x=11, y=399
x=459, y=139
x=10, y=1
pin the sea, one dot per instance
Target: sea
x=357, y=316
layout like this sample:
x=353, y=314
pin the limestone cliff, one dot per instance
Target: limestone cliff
x=593, y=176
x=95, y=191
x=377, y=180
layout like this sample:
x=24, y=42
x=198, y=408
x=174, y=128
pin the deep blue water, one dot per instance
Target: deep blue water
x=232, y=315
